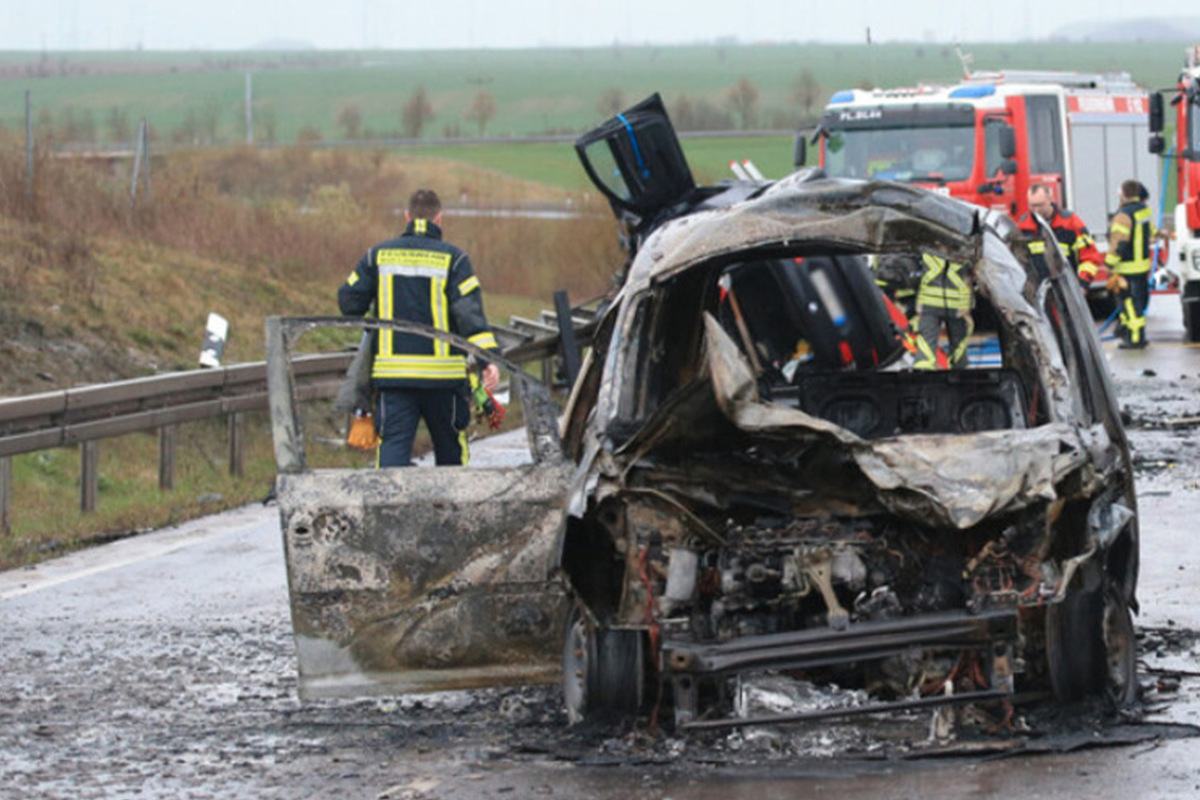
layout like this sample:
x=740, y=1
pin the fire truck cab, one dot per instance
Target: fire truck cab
x=987, y=139
x=1184, y=261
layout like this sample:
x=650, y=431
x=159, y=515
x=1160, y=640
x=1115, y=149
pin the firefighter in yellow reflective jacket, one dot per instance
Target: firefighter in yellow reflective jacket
x=419, y=277
x=944, y=298
x=1129, y=238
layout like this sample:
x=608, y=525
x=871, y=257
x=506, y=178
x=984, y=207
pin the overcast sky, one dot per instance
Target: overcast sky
x=398, y=24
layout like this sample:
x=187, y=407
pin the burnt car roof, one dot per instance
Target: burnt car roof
x=930, y=476
x=806, y=206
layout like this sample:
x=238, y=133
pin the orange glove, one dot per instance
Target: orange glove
x=1116, y=283
x=363, y=435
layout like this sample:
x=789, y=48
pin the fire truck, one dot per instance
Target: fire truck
x=1184, y=261
x=988, y=138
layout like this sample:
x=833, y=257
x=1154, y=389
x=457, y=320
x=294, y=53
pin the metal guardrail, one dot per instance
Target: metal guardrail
x=72, y=416
x=84, y=415
x=89, y=413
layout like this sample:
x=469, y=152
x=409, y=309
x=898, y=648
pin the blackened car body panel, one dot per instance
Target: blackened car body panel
x=765, y=482
x=413, y=579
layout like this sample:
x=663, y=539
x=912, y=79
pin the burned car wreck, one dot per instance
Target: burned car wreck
x=754, y=478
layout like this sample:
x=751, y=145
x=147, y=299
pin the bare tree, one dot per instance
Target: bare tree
x=87, y=126
x=683, y=115
x=742, y=99
x=350, y=118
x=416, y=113
x=611, y=102
x=268, y=118
x=69, y=124
x=806, y=92
x=45, y=127
x=482, y=109
x=209, y=119
x=119, y=128
x=188, y=131
x=308, y=134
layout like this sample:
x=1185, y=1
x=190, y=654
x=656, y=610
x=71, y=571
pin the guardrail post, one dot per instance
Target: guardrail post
x=89, y=475
x=166, y=457
x=281, y=392
x=237, y=437
x=566, y=334
x=5, y=495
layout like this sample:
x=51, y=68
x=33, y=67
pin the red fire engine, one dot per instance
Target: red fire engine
x=1184, y=263
x=985, y=140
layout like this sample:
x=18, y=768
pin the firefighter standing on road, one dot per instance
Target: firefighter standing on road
x=419, y=277
x=1129, y=238
x=1074, y=241
x=945, y=299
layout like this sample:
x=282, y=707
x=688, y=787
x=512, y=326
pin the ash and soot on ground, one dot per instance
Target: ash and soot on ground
x=174, y=676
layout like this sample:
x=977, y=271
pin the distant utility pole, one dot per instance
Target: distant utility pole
x=141, y=164
x=28, y=148
x=249, y=110
x=965, y=59
x=871, y=50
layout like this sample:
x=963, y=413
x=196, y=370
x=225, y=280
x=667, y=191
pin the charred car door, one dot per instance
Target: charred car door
x=415, y=579
x=635, y=160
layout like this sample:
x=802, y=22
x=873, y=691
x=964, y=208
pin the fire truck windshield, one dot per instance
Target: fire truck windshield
x=908, y=154
x=1193, y=124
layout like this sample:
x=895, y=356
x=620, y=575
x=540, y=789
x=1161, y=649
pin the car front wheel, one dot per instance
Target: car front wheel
x=1091, y=648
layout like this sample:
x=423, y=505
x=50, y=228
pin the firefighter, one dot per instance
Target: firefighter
x=1074, y=241
x=944, y=298
x=1129, y=238
x=898, y=277
x=419, y=277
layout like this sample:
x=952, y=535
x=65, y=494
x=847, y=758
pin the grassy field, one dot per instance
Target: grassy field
x=93, y=290
x=536, y=91
x=556, y=164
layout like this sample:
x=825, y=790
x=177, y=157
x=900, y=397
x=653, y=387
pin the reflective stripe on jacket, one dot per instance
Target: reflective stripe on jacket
x=1129, y=238
x=943, y=286
x=1074, y=241
x=418, y=277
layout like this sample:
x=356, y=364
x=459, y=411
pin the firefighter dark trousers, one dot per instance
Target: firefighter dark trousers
x=959, y=327
x=446, y=413
x=1131, y=303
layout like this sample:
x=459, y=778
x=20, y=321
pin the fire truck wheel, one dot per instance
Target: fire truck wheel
x=1190, y=300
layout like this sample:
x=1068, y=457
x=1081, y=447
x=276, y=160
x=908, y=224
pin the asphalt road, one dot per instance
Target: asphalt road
x=163, y=667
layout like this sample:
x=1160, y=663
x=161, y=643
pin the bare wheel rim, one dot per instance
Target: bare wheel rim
x=578, y=654
x=1120, y=645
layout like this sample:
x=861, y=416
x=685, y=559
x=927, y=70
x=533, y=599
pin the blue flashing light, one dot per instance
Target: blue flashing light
x=982, y=90
x=844, y=96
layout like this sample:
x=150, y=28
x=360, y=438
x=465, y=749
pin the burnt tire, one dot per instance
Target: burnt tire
x=603, y=670
x=1075, y=641
x=1120, y=641
x=1090, y=645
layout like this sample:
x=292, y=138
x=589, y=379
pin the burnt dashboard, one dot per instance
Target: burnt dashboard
x=878, y=404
